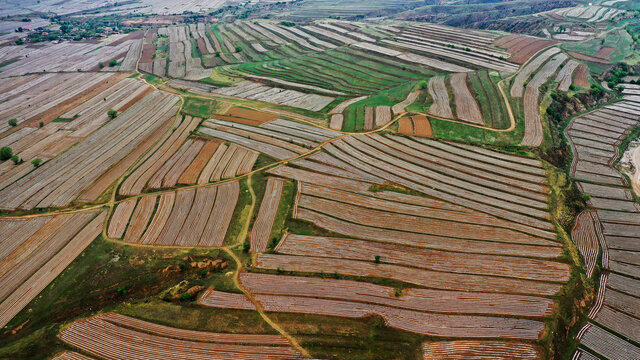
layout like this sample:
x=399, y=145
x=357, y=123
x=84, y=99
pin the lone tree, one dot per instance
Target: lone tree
x=113, y=63
x=15, y=159
x=36, y=162
x=238, y=48
x=101, y=65
x=112, y=114
x=13, y=122
x=6, y=153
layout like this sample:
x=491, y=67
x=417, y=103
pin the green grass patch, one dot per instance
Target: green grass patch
x=153, y=79
x=198, y=107
x=285, y=211
x=576, y=297
x=242, y=214
x=354, y=113
x=195, y=50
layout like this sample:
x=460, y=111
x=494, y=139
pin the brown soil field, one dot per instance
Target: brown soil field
x=190, y=175
x=584, y=57
x=202, y=46
x=405, y=126
x=527, y=52
x=467, y=108
x=254, y=115
x=604, y=52
x=131, y=36
x=120, y=337
x=147, y=53
x=478, y=350
x=580, y=76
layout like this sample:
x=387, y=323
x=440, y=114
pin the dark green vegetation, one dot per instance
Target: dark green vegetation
x=576, y=297
x=6, y=153
x=354, y=114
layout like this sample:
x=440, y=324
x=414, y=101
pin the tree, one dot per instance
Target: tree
x=217, y=53
x=112, y=114
x=36, y=162
x=13, y=122
x=113, y=63
x=6, y=153
x=423, y=84
x=377, y=259
x=15, y=159
x=238, y=48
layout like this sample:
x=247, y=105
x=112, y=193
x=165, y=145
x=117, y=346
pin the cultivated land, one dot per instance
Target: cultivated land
x=319, y=180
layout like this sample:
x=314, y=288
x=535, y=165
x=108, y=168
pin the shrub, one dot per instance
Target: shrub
x=185, y=297
x=36, y=162
x=217, y=53
x=6, y=153
x=423, y=84
x=122, y=290
x=113, y=63
x=101, y=65
x=572, y=87
x=13, y=122
x=377, y=259
x=15, y=159
x=204, y=272
x=41, y=124
x=112, y=114
x=238, y=48
x=246, y=246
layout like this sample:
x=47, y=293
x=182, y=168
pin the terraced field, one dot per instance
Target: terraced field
x=611, y=227
x=263, y=181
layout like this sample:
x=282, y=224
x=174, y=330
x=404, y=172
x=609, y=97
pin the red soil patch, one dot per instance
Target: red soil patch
x=251, y=114
x=151, y=35
x=147, y=53
x=131, y=36
x=417, y=125
x=202, y=46
x=588, y=58
x=604, y=52
x=580, y=76
x=237, y=120
x=522, y=50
